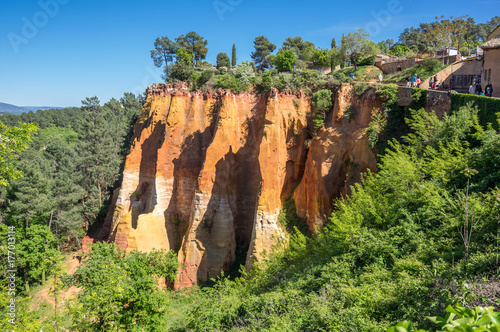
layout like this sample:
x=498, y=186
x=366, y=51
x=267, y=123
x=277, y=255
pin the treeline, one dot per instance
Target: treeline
x=69, y=171
x=183, y=59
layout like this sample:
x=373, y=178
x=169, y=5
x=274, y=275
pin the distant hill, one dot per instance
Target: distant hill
x=13, y=109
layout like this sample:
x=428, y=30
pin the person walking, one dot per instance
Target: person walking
x=419, y=81
x=479, y=89
x=408, y=81
x=431, y=83
x=488, y=89
x=380, y=78
x=414, y=81
x=472, y=88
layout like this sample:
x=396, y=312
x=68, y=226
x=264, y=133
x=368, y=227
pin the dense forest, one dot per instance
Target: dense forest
x=419, y=235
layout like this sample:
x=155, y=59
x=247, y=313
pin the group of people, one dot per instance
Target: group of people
x=413, y=81
x=476, y=89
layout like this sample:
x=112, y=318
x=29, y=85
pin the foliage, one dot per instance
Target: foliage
x=69, y=173
x=358, y=46
x=164, y=51
x=263, y=48
x=121, y=291
x=320, y=57
x=285, y=60
x=300, y=47
x=13, y=141
x=389, y=92
x=460, y=318
x=488, y=107
x=375, y=128
x=322, y=103
x=233, y=56
x=431, y=65
x=223, y=61
x=390, y=251
x=401, y=50
x=360, y=88
x=194, y=44
x=184, y=57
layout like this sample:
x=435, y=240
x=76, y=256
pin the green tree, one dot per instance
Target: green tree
x=163, y=53
x=223, y=61
x=298, y=46
x=263, y=48
x=358, y=47
x=321, y=57
x=99, y=161
x=184, y=57
x=285, y=60
x=400, y=50
x=194, y=44
x=484, y=29
x=233, y=56
x=119, y=290
x=322, y=102
x=13, y=140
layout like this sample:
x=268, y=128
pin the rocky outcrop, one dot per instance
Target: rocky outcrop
x=207, y=172
x=337, y=156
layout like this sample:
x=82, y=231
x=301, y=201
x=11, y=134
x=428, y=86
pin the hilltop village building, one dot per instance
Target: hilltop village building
x=491, y=61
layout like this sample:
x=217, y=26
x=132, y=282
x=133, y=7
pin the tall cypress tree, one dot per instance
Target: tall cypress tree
x=233, y=57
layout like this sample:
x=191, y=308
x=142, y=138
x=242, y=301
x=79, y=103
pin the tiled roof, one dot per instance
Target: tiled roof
x=493, y=43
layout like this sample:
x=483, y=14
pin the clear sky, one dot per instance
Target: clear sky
x=58, y=52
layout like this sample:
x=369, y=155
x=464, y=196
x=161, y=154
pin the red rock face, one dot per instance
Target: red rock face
x=337, y=156
x=207, y=173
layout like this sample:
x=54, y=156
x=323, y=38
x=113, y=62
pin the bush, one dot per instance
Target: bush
x=223, y=61
x=431, y=64
x=360, y=88
x=340, y=76
x=285, y=60
x=322, y=103
x=370, y=61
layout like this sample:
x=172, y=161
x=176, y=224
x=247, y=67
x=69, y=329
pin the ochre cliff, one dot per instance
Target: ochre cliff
x=207, y=172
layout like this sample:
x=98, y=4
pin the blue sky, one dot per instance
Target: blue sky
x=58, y=52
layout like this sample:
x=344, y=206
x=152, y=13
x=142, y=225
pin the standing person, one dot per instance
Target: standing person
x=488, y=89
x=472, y=88
x=479, y=90
x=408, y=81
x=380, y=78
x=419, y=81
x=431, y=83
x=414, y=80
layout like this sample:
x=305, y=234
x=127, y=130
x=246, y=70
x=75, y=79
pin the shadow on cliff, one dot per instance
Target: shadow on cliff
x=187, y=168
x=233, y=202
x=142, y=200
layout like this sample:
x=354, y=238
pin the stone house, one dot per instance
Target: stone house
x=491, y=61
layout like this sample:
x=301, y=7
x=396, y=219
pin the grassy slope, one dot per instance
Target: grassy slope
x=364, y=73
x=420, y=70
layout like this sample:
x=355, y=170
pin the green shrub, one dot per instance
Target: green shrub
x=322, y=103
x=360, y=88
x=431, y=64
x=370, y=61
x=390, y=93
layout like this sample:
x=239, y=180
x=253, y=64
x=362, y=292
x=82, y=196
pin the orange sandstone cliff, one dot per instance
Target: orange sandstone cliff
x=207, y=172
